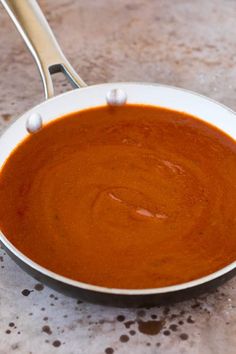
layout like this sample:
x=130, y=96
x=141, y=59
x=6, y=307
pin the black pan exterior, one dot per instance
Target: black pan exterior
x=121, y=300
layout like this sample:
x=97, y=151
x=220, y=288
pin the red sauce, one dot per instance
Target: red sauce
x=130, y=197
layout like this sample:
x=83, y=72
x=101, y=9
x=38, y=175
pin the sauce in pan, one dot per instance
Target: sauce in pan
x=127, y=197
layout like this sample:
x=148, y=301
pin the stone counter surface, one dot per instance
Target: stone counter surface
x=186, y=43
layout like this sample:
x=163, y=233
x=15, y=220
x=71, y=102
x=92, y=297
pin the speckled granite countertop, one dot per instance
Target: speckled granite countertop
x=187, y=43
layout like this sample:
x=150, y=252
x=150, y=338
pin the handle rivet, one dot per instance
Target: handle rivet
x=34, y=123
x=116, y=97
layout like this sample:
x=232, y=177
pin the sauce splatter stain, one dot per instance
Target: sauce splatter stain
x=120, y=318
x=154, y=317
x=128, y=324
x=39, y=287
x=166, y=333
x=56, y=343
x=132, y=332
x=26, y=292
x=190, y=320
x=11, y=324
x=124, y=338
x=173, y=327
x=166, y=310
x=6, y=117
x=183, y=336
x=8, y=331
x=109, y=350
x=46, y=329
x=150, y=327
x=173, y=316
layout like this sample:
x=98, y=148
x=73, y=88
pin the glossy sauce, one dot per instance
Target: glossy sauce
x=126, y=197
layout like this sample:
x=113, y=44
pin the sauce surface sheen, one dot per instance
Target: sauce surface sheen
x=130, y=197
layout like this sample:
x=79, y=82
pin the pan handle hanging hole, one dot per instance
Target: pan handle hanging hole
x=34, y=123
x=116, y=97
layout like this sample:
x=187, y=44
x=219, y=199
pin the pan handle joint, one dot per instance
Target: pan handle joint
x=38, y=36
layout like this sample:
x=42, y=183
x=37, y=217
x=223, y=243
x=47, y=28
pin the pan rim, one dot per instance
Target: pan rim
x=107, y=290
x=114, y=291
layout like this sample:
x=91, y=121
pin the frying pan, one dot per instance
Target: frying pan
x=39, y=38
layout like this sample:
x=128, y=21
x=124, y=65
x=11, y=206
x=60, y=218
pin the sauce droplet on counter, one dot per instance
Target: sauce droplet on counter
x=150, y=327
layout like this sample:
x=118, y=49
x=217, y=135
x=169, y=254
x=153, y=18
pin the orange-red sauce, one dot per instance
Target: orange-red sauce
x=130, y=197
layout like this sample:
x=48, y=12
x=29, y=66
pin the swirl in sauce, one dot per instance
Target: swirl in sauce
x=126, y=197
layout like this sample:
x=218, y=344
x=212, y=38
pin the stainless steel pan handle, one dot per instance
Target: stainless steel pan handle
x=34, y=28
